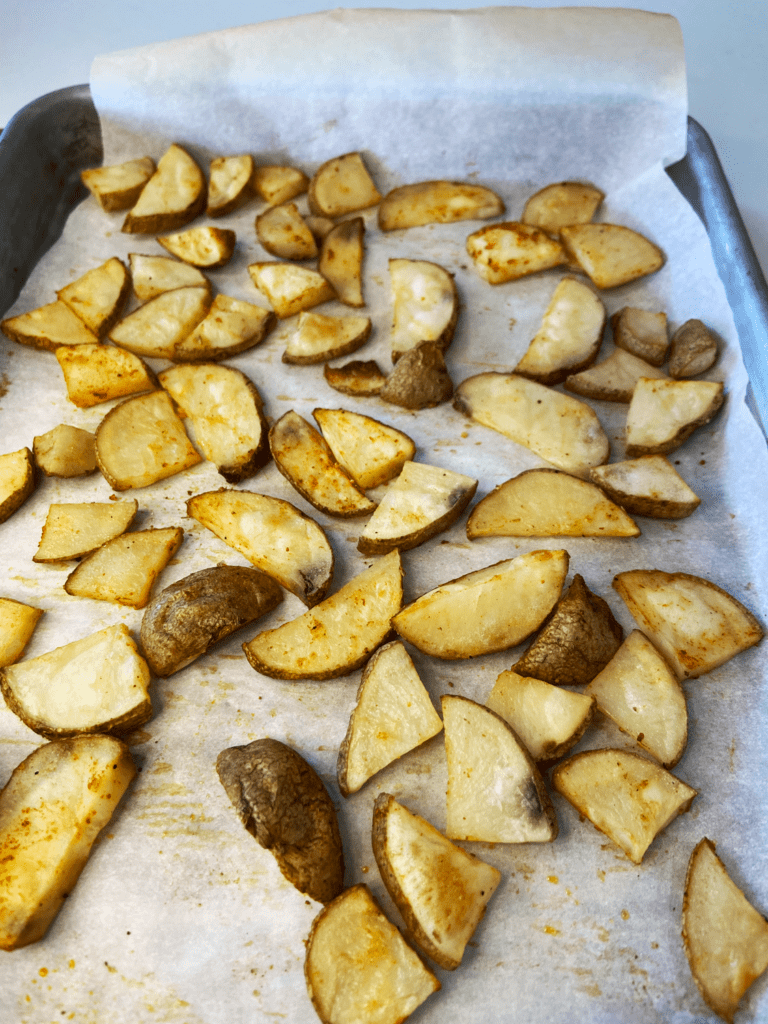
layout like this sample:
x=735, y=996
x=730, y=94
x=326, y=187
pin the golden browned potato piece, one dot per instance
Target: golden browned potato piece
x=17, y=481
x=319, y=337
x=437, y=202
x=207, y=246
x=647, y=486
x=420, y=379
x=119, y=186
x=290, y=288
x=641, y=332
x=17, y=624
x=48, y=327
x=425, y=305
x=152, y=275
x=76, y=529
x=98, y=296
x=341, y=260
x=66, y=451
x=340, y=186
x=229, y=327
x=693, y=350
x=611, y=254
x=282, y=802
x=229, y=183
x=508, y=251
x=614, y=379
x=156, y=329
x=360, y=378
x=98, y=373
x=281, y=230
x=664, y=413
x=172, y=197
x=277, y=184
x=556, y=206
x=373, y=453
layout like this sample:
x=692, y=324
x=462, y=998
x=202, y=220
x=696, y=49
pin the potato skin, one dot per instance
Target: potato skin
x=283, y=803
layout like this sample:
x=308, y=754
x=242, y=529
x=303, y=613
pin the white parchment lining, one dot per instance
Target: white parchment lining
x=180, y=916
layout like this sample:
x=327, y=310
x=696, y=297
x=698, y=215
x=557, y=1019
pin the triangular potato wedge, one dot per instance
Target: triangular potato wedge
x=172, y=197
x=229, y=327
x=153, y=275
x=422, y=502
x=99, y=295
x=548, y=503
x=360, y=378
x=65, y=451
x=424, y=872
x=338, y=635
x=76, y=529
x=420, y=380
x=425, y=305
x=207, y=246
x=548, y=719
x=437, y=202
x=487, y=610
x=358, y=964
x=281, y=230
x=641, y=332
x=98, y=373
x=508, y=251
x=319, y=337
x=611, y=254
x=614, y=379
x=48, y=327
x=17, y=481
x=639, y=692
x=276, y=537
x=156, y=329
x=119, y=186
x=342, y=185
x=307, y=462
x=228, y=183
x=99, y=684
x=696, y=625
x=17, y=624
x=341, y=260
x=664, y=413
x=495, y=792
x=627, y=797
x=725, y=937
x=141, y=441
x=393, y=714
x=561, y=429
x=277, y=184
x=563, y=203
x=647, y=486
x=226, y=413
x=289, y=288
x=373, y=453
x=693, y=350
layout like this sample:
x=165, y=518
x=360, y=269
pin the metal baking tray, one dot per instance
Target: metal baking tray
x=56, y=136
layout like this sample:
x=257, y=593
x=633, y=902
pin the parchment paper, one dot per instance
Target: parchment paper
x=179, y=915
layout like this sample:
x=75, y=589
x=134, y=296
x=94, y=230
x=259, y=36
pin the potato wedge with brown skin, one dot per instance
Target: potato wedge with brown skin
x=190, y=616
x=508, y=251
x=338, y=635
x=373, y=453
x=664, y=413
x=153, y=275
x=440, y=890
x=207, y=247
x=422, y=502
x=693, y=350
x=99, y=295
x=578, y=640
x=98, y=373
x=611, y=254
x=283, y=804
x=226, y=413
x=230, y=327
x=724, y=935
x=360, y=378
x=495, y=792
x=282, y=232
x=48, y=327
x=319, y=337
x=173, y=196
x=275, y=183
x=437, y=202
x=548, y=503
x=647, y=486
x=17, y=624
x=290, y=289
x=487, y=610
x=393, y=715
x=52, y=810
x=98, y=684
x=625, y=796
x=66, y=451
x=425, y=305
x=558, y=205
x=156, y=329
x=341, y=186
x=272, y=534
x=118, y=186
x=74, y=530
x=141, y=441
x=359, y=969
x=695, y=624
x=229, y=182
x=17, y=481
x=341, y=260
x=304, y=458
x=641, y=332
x=420, y=379
x=614, y=379
x=570, y=335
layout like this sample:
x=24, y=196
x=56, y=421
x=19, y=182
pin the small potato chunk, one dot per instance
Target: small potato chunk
x=495, y=792
x=360, y=378
x=226, y=413
x=48, y=327
x=229, y=327
x=98, y=373
x=52, y=809
x=277, y=184
x=119, y=186
x=579, y=639
x=76, y=529
x=273, y=535
x=693, y=350
x=486, y=610
x=425, y=305
x=664, y=413
x=647, y=486
x=156, y=329
x=611, y=254
x=342, y=185
x=570, y=335
x=190, y=616
x=548, y=503
x=153, y=275
x=373, y=453
x=207, y=246
x=696, y=625
x=17, y=481
x=124, y=569
x=393, y=715
x=141, y=441
x=289, y=288
x=98, y=684
x=283, y=804
x=437, y=202
x=318, y=338
x=420, y=380
x=508, y=251
x=172, y=197
x=228, y=183
x=556, y=206
x=359, y=969
x=338, y=635
x=641, y=332
x=614, y=379
x=98, y=296
x=725, y=937
x=66, y=451
x=282, y=232
x=440, y=889
x=341, y=260
x=627, y=797
x=17, y=624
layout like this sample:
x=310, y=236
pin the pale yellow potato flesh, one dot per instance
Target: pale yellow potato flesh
x=282, y=231
x=17, y=624
x=65, y=451
x=372, y=452
x=98, y=373
x=341, y=260
x=74, y=529
x=173, y=196
x=614, y=379
x=153, y=275
x=229, y=327
x=425, y=304
x=611, y=254
x=206, y=246
x=664, y=413
x=437, y=202
x=48, y=327
x=508, y=251
x=157, y=328
x=289, y=288
x=558, y=205
x=51, y=812
x=118, y=186
x=319, y=337
x=342, y=185
x=641, y=332
x=98, y=296
x=277, y=184
x=647, y=486
x=228, y=183
x=17, y=481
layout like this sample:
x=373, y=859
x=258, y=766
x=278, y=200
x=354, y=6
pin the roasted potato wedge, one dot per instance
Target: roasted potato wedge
x=52, y=809
x=229, y=327
x=319, y=337
x=647, y=486
x=341, y=260
x=277, y=184
x=17, y=481
x=641, y=332
x=17, y=624
x=156, y=329
x=420, y=379
x=207, y=246
x=153, y=275
x=558, y=205
x=614, y=379
x=437, y=202
x=229, y=182
x=664, y=413
x=48, y=327
x=282, y=231
x=98, y=297
x=65, y=451
x=424, y=874
x=98, y=373
x=290, y=289
x=76, y=529
x=341, y=186
x=373, y=453
x=173, y=196
x=693, y=350
x=282, y=802
x=508, y=251
x=359, y=378
x=119, y=186
x=425, y=305
x=611, y=254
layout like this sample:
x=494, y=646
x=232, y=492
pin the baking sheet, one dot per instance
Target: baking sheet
x=180, y=916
